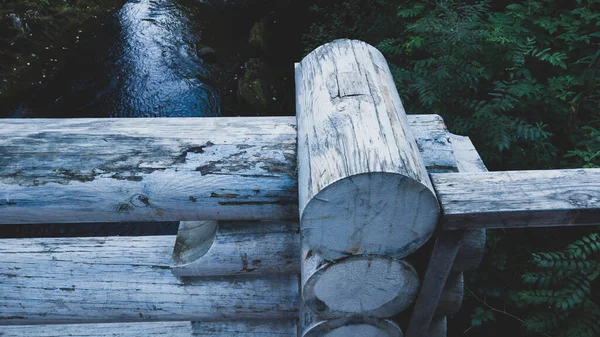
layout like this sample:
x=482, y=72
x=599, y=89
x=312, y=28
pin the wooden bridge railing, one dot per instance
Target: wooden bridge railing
x=334, y=200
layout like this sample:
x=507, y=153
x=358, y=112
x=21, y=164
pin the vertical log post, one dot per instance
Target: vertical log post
x=363, y=187
x=365, y=197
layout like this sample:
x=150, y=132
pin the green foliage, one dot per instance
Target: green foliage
x=521, y=79
x=559, y=290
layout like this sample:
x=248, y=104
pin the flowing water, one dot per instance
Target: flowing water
x=142, y=62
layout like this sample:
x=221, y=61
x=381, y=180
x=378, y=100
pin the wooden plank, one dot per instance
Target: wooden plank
x=125, y=279
x=472, y=247
x=440, y=264
x=445, y=254
x=158, y=169
x=149, y=329
x=362, y=184
x=517, y=199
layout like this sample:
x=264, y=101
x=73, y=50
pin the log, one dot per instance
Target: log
x=452, y=295
x=438, y=327
x=363, y=186
x=257, y=328
x=438, y=272
x=149, y=329
x=126, y=279
x=254, y=328
x=236, y=248
x=472, y=246
x=157, y=169
x=360, y=285
x=312, y=326
x=445, y=253
x=471, y=251
x=519, y=199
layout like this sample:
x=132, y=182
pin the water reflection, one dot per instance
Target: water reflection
x=143, y=62
x=158, y=71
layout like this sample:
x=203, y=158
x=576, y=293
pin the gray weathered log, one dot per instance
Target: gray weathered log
x=359, y=285
x=517, y=199
x=439, y=268
x=125, y=279
x=439, y=327
x=159, y=169
x=145, y=329
x=236, y=248
x=472, y=246
x=363, y=186
x=452, y=295
x=312, y=326
x=255, y=328
x=241, y=328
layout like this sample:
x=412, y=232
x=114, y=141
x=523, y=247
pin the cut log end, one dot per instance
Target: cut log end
x=372, y=213
x=371, y=286
x=354, y=327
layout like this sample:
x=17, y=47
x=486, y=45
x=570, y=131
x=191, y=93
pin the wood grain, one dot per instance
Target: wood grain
x=360, y=285
x=125, y=279
x=256, y=328
x=237, y=248
x=363, y=186
x=158, y=169
x=517, y=199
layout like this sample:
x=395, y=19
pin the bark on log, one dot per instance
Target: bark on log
x=363, y=186
x=452, y=295
x=167, y=169
x=312, y=326
x=126, y=279
x=236, y=248
x=360, y=285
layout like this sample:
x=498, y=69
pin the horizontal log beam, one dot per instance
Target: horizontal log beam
x=149, y=329
x=126, y=279
x=518, y=199
x=162, y=169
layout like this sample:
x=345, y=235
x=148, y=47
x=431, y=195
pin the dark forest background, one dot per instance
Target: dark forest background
x=520, y=78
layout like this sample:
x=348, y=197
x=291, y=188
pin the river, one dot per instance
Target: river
x=153, y=58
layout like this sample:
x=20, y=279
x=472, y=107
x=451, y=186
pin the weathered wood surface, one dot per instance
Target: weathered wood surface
x=439, y=327
x=159, y=169
x=150, y=329
x=125, y=279
x=255, y=328
x=360, y=285
x=363, y=186
x=439, y=268
x=445, y=255
x=452, y=295
x=516, y=199
x=240, y=328
x=313, y=326
x=236, y=248
x=472, y=246
x=354, y=327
